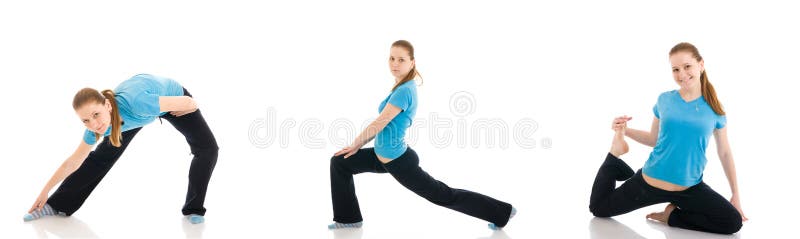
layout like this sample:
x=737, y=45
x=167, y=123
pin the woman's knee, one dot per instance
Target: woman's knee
x=439, y=193
x=337, y=162
x=207, y=151
x=204, y=146
x=441, y=198
x=598, y=211
x=734, y=228
x=732, y=223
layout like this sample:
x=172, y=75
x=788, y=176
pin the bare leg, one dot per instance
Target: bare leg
x=618, y=145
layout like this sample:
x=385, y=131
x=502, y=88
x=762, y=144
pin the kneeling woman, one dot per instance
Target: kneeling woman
x=116, y=116
x=684, y=120
x=392, y=155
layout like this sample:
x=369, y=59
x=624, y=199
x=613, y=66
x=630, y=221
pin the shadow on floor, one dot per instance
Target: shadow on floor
x=192, y=230
x=62, y=227
x=607, y=228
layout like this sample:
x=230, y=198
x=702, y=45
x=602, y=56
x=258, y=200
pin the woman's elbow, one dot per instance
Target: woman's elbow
x=653, y=140
x=725, y=156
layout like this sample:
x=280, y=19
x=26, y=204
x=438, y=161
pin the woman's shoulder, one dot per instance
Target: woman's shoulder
x=667, y=94
x=142, y=76
x=408, y=87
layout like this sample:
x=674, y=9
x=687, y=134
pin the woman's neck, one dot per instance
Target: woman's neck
x=690, y=93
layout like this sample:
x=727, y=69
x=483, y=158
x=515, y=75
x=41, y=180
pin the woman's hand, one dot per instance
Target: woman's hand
x=348, y=151
x=182, y=113
x=39, y=203
x=177, y=105
x=192, y=104
x=738, y=206
x=620, y=123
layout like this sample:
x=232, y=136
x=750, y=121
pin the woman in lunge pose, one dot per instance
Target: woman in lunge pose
x=392, y=155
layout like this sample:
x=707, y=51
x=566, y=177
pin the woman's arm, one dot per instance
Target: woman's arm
x=644, y=137
x=726, y=158
x=67, y=167
x=386, y=116
x=176, y=103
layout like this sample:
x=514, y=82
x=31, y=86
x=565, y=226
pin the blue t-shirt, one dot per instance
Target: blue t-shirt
x=679, y=156
x=137, y=101
x=389, y=142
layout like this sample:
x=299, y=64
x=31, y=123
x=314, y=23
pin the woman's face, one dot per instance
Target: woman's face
x=96, y=117
x=686, y=70
x=400, y=62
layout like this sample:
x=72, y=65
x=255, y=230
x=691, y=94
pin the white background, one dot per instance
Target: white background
x=570, y=66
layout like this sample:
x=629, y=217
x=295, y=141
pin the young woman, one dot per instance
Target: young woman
x=684, y=120
x=117, y=116
x=392, y=155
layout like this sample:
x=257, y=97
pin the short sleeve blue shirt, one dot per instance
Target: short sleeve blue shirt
x=679, y=156
x=389, y=142
x=137, y=101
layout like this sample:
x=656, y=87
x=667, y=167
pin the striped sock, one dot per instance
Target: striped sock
x=337, y=225
x=47, y=210
x=495, y=227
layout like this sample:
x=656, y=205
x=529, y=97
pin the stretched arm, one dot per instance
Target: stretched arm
x=67, y=167
x=386, y=116
x=726, y=158
x=644, y=137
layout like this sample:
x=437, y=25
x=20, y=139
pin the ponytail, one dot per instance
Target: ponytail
x=413, y=73
x=89, y=95
x=710, y=94
x=116, y=120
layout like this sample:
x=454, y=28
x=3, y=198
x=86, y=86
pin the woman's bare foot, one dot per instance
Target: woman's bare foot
x=662, y=216
x=618, y=145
